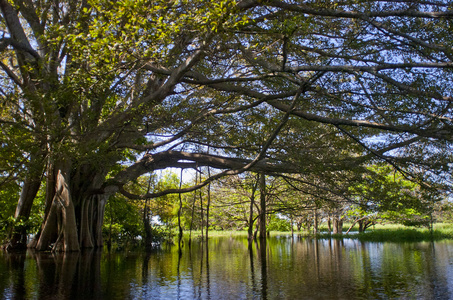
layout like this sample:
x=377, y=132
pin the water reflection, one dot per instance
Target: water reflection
x=282, y=267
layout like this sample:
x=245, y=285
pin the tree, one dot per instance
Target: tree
x=385, y=195
x=233, y=202
x=97, y=93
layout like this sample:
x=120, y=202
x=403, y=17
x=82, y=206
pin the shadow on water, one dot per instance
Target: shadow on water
x=282, y=267
x=43, y=275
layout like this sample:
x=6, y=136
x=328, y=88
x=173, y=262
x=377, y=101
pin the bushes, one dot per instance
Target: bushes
x=277, y=223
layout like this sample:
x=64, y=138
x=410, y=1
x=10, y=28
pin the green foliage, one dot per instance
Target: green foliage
x=385, y=195
x=123, y=221
x=277, y=223
x=407, y=217
x=166, y=206
x=443, y=211
x=124, y=218
x=9, y=195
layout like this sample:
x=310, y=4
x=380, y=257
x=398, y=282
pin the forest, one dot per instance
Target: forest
x=142, y=119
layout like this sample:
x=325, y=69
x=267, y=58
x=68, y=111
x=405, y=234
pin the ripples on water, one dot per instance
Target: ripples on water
x=227, y=268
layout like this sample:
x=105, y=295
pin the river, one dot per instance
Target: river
x=283, y=267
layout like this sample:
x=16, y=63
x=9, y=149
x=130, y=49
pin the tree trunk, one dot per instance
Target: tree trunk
x=18, y=240
x=73, y=217
x=201, y=211
x=252, y=205
x=340, y=225
x=50, y=194
x=208, y=207
x=262, y=206
x=98, y=220
x=337, y=225
x=180, y=234
x=361, y=226
x=61, y=220
x=250, y=229
x=365, y=224
x=299, y=225
x=193, y=208
x=329, y=224
x=292, y=225
x=85, y=236
x=315, y=223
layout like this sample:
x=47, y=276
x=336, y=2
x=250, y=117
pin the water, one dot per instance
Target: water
x=226, y=268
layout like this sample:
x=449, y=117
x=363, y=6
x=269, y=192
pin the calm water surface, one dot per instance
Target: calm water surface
x=227, y=268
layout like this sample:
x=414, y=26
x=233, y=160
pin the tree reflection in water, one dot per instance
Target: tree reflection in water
x=282, y=267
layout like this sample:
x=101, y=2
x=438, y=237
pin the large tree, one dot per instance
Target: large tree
x=88, y=87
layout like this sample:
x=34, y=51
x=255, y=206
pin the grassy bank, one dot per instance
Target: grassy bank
x=400, y=233
x=377, y=233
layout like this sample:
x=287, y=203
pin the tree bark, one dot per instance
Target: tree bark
x=180, y=234
x=85, y=236
x=201, y=212
x=73, y=217
x=208, y=206
x=262, y=206
x=361, y=226
x=329, y=223
x=61, y=220
x=315, y=224
x=337, y=225
x=18, y=240
x=98, y=220
x=251, y=220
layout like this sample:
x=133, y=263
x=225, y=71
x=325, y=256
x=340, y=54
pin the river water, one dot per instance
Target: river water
x=283, y=267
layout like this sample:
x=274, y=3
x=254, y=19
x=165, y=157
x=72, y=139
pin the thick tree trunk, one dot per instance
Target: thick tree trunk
x=61, y=220
x=90, y=221
x=85, y=236
x=337, y=225
x=18, y=240
x=364, y=224
x=98, y=220
x=361, y=226
x=50, y=193
x=73, y=217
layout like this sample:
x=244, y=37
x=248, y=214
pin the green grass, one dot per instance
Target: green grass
x=377, y=233
x=400, y=233
x=236, y=233
x=216, y=233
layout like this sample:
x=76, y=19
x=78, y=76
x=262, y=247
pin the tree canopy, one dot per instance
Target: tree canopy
x=95, y=94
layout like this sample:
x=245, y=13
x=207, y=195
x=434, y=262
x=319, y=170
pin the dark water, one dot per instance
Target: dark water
x=226, y=268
